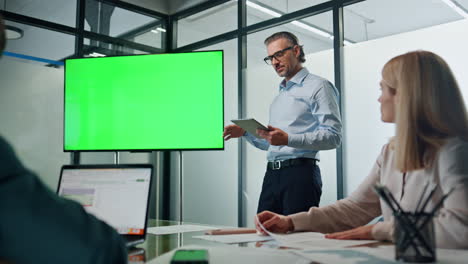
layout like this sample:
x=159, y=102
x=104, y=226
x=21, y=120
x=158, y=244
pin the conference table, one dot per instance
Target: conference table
x=156, y=245
x=159, y=249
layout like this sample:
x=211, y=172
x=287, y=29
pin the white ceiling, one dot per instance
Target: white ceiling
x=366, y=20
x=363, y=21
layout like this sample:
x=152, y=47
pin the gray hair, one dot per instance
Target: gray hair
x=291, y=39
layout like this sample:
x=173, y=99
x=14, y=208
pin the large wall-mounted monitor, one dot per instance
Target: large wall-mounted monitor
x=144, y=102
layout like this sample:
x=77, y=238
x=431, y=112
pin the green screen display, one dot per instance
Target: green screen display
x=144, y=102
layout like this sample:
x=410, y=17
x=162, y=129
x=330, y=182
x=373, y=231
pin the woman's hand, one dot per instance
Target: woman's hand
x=273, y=222
x=358, y=233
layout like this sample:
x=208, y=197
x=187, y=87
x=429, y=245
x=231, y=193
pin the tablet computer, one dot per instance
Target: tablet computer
x=250, y=125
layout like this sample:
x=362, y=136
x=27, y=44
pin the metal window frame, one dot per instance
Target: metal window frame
x=338, y=44
x=135, y=8
x=336, y=7
x=80, y=33
x=169, y=44
x=241, y=81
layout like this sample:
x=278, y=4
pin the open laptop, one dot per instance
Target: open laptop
x=116, y=194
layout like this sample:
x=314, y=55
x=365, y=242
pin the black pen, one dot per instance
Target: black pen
x=421, y=197
x=433, y=212
x=407, y=224
x=426, y=202
x=441, y=201
x=378, y=188
x=390, y=195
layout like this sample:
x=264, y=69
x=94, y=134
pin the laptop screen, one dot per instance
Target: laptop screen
x=117, y=195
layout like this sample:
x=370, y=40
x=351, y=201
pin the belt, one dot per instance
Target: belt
x=281, y=164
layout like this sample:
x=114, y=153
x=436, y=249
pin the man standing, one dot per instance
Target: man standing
x=304, y=118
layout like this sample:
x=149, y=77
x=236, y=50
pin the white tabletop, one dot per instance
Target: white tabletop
x=227, y=254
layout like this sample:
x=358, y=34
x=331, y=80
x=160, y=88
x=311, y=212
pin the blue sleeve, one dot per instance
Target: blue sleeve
x=324, y=105
x=259, y=143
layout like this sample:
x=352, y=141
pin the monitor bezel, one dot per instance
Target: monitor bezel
x=142, y=149
x=115, y=166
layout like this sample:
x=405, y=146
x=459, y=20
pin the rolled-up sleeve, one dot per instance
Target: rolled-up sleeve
x=324, y=106
x=259, y=143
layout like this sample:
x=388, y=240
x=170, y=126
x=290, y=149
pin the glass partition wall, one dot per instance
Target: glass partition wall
x=262, y=85
x=257, y=84
x=381, y=30
x=346, y=41
x=40, y=35
x=109, y=28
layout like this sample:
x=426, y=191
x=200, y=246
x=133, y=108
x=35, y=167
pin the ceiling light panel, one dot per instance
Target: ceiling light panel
x=457, y=7
x=373, y=19
x=208, y=23
x=278, y=7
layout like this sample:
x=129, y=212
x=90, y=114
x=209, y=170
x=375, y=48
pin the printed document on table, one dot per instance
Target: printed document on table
x=174, y=229
x=312, y=240
x=348, y=256
x=234, y=239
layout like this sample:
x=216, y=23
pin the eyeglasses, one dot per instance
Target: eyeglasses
x=276, y=55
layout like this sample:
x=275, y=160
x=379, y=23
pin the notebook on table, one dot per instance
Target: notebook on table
x=116, y=194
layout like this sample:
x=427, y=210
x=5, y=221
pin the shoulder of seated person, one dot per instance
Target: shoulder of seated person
x=455, y=144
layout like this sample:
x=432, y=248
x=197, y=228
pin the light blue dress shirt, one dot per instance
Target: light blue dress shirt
x=307, y=109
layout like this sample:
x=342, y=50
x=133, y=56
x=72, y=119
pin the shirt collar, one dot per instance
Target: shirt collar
x=295, y=80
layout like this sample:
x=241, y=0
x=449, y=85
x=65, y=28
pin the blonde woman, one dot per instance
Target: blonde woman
x=421, y=96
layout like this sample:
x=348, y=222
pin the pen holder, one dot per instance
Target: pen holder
x=414, y=237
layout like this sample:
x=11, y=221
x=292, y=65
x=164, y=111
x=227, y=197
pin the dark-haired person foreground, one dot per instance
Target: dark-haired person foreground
x=421, y=96
x=37, y=226
x=304, y=119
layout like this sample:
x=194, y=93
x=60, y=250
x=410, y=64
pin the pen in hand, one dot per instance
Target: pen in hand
x=231, y=231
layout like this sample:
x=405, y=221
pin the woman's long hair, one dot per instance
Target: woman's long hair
x=429, y=107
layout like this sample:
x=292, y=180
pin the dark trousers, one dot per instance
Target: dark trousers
x=291, y=190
